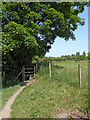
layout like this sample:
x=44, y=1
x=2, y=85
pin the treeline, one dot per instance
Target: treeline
x=73, y=57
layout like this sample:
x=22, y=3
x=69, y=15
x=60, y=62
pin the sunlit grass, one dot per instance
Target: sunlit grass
x=43, y=98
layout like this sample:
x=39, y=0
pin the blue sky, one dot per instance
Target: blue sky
x=61, y=47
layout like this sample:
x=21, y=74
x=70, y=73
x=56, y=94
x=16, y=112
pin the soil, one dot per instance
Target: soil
x=70, y=113
x=5, y=112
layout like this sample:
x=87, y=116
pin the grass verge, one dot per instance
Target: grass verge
x=7, y=93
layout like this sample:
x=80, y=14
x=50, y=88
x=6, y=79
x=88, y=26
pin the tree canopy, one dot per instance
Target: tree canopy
x=30, y=28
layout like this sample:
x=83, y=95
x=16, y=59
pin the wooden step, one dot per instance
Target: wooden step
x=29, y=72
x=29, y=68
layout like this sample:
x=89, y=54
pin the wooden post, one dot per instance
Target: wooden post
x=79, y=70
x=30, y=77
x=23, y=73
x=3, y=75
x=34, y=69
x=50, y=70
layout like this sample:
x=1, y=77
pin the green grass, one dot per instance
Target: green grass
x=7, y=93
x=45, y=96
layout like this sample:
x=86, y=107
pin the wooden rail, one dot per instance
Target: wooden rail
x=29, y=68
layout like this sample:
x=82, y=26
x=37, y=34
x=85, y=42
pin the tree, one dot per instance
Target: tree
x=30, y=28
x=84, y=53
x=77, y=53
x=73, y=55
x=62, y=56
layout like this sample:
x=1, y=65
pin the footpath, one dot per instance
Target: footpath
x=6, y=111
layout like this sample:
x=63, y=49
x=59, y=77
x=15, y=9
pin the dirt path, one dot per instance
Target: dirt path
x=5, y=113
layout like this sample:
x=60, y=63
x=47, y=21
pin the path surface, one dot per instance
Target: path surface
x=5, y=113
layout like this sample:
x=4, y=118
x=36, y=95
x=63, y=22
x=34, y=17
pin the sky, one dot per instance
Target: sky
x=61, y=47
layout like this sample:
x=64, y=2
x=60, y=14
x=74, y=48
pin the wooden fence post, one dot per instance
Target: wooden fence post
x=34, y=69
x=50, y=70
x=79, y=70
x=23, y=73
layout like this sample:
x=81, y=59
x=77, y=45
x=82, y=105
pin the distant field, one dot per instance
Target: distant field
x=45, y=96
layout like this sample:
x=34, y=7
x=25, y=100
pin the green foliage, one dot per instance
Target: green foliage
x=44, y=69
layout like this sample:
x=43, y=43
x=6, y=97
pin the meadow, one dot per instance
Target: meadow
x=44, y=97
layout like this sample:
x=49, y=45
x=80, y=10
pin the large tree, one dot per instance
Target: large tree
x=29, y=28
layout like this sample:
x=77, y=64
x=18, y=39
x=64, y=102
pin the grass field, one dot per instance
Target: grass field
x=7, y=93
x=70, y=73
x=45, y=96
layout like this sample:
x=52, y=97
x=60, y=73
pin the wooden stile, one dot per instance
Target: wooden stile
x=34, y=69
x=23, y=73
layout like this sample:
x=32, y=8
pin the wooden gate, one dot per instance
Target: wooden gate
x=29, y=72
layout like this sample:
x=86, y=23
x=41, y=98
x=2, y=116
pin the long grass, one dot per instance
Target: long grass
x=70, y=75
x=45, y=96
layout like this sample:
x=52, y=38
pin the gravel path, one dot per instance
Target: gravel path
x=5, y=113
